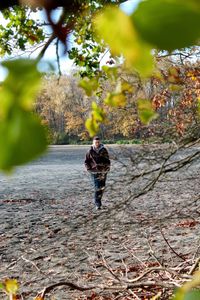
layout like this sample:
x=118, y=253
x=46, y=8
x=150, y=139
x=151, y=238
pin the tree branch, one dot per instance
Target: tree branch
x=167, y=242
x=50, y=40
x=7, y=4
x=71, y=285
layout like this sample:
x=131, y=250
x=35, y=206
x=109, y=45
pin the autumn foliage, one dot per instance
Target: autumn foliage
x=173, y=90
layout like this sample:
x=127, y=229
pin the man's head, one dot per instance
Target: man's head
x=96, y=141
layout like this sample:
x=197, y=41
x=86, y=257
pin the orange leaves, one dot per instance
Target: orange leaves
x=39, y=298
x=74, y=122
x=180, y=128
x=176, y=96
x=193, y=74
x=187, y=224
x=158, y=101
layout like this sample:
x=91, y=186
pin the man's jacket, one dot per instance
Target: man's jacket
x=97, y=160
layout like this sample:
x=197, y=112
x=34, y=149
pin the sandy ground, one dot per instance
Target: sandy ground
x=50, y=232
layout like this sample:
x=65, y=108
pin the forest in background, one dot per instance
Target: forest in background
x=173, y=89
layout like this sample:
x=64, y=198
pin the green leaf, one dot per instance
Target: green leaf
x=126, y=87
x=97, y=112
x=11, y=286
x=118, y=97
x=97, y=116
x=145, y=111
x=175, y=87
x=22, y=137
x=111, y=72
x=1, y=285
x=115, y=99
x=92, y=126
x=186, y=289
x=117, y=29
x=192, y=295
x=22, y=83
x=168, y=24
x=90, y=86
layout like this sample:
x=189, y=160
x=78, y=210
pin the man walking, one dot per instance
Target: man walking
x=97, y=162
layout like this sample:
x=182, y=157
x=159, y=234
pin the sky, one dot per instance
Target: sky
x=65, y=63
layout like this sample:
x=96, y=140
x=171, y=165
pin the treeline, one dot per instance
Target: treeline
x=174, y=91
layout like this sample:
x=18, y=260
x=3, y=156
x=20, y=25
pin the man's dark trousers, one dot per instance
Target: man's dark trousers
x=99, y=181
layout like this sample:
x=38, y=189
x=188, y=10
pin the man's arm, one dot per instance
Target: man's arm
x=105, y=160
x=87, y=161
x=106, y=156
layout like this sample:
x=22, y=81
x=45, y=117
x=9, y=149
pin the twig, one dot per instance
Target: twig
x=134, y=256
x=126, y=269
x=153, y=283
x=142, y=284
x=12, y=263
x=133, y=294
x=171, y=246
x=50, y=40
x=197, y=249
x=58, y=58
x=149, y=271
x=193, y=267
x=105, y=265
x=32, y=263
x=71, y=285
x=151, y=252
